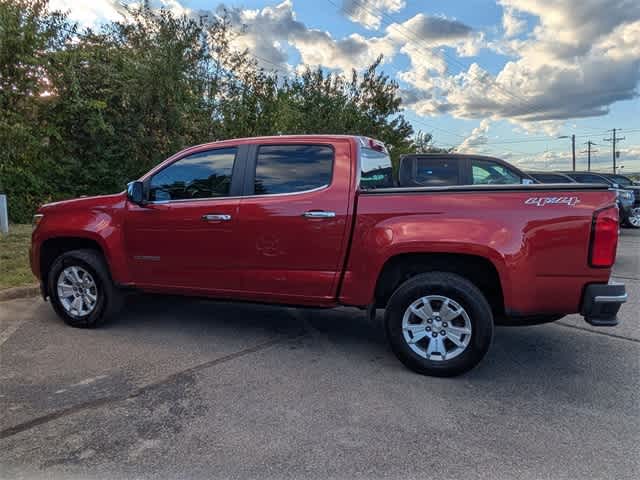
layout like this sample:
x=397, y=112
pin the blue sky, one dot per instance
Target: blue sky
x=503, y=77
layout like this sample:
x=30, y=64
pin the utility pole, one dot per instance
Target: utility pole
x=588, y=152
x=613, y=141
x=573, y=149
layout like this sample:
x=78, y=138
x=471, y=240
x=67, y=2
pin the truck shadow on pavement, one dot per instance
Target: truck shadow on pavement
x=533, y=351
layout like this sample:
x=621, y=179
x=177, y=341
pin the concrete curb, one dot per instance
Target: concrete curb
x=19, y=292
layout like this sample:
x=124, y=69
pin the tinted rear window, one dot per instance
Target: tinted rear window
x=433, y=172
x=292, y=168
x=375, y=169
x=550, y=178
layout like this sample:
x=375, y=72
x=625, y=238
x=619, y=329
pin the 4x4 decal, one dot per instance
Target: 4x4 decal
x=544, y=201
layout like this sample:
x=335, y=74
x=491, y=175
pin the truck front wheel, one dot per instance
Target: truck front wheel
x=439, y=324
x=81, y=290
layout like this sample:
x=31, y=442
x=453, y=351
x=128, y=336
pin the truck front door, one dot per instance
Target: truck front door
x=186, y=236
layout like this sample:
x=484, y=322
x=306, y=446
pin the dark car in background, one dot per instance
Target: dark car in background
x=627, y=184
x=626, y=198
x=454, y=169
x=551, y=177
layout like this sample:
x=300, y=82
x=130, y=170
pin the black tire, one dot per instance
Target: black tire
x=109, y=298
x=627, y=223
x=462, y=291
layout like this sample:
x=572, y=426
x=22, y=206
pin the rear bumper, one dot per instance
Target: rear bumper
x=601, y=302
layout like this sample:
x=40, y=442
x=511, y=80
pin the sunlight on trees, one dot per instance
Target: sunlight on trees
x=83, y=112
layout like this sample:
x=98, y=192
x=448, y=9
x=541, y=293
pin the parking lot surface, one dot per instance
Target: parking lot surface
x=182, y=388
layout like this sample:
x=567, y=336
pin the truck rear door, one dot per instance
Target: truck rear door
x=294, y=219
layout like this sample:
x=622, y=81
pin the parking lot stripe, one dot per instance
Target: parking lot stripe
x=10, y=330
x=606, y=334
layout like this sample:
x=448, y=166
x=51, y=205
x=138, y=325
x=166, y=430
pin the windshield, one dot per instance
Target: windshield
x=619, y=179
x=375, y=169
x=590, y=178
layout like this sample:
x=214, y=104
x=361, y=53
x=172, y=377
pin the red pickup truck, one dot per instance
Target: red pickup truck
x=318, y=220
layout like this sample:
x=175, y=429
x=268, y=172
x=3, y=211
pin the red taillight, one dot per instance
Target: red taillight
x=604, y=238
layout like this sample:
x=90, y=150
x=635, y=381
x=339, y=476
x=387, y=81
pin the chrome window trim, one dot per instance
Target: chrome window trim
x=148, y=177
x=317, y=189
x=253, y=162
x=182, y=200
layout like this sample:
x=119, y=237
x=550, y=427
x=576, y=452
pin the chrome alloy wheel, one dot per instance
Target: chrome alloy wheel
x=436, y=328
x=77, y=291
x=634, y=217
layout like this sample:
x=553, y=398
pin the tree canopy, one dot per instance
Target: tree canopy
x=83, y=112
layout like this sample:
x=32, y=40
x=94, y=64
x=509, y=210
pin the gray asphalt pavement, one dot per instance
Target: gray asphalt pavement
x=177, y=388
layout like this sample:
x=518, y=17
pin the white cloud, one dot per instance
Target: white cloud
x=433, y=31
x=630, y=159
x=422, y=38
x=89, y=14
x=266, y=33
x=575, y=63
x=477, y=139
x=549, y=160
x=511, y=23
x=355, y=51
x=562, y=160
x=175, y=7
x=369, y=12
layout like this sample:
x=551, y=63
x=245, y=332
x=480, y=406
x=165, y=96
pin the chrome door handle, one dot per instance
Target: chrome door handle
x=216, y=217
x=319, y=214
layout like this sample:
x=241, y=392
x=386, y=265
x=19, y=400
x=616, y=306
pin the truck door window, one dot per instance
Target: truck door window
x=434, y=172
x=486, y=172
x=201, y=175
x=292, y=168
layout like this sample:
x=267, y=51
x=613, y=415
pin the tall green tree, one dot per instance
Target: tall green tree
x=29, y=36
x=82, y=112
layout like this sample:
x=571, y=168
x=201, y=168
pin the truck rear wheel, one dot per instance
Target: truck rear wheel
x=439, y=324
x=81, y=290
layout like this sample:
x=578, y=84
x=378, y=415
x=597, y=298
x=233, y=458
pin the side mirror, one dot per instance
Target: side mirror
x=135, y=192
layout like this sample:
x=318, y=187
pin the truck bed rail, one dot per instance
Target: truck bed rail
x=545, y=187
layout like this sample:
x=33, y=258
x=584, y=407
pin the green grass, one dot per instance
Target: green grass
x=14, y=257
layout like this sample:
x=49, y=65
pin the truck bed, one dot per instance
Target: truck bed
x=536, y=236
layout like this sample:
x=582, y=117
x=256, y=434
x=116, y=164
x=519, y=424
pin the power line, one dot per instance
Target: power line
x=548, y=139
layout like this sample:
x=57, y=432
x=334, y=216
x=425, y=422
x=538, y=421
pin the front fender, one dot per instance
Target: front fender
x=100, y=223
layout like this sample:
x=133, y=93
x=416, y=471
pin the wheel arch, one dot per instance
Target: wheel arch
x=481, y=271
x=53, y=247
